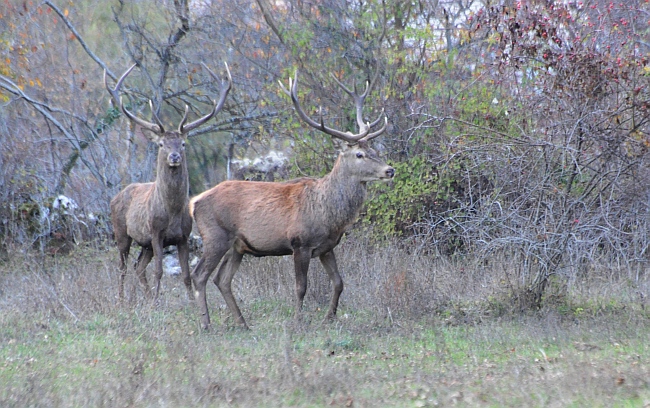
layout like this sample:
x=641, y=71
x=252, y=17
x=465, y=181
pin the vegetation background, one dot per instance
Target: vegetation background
x=506, y=264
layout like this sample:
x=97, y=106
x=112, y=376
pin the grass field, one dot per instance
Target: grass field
x=411, y=332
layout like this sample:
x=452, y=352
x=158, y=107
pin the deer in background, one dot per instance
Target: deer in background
x=305, y=217
x=155, y=215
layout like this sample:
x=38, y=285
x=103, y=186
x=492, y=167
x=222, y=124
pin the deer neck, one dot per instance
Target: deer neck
x=342, y=195
x=172, y=186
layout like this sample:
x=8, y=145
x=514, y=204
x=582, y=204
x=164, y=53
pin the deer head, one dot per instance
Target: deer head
x=358, y=154
x=171, y=144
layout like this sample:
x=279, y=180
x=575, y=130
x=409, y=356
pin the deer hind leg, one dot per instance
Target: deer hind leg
x=329, y=263
x=140, y=269
x=223, y=280
x=301, y=258
x=124, y=249
x=183, y=260
x=212, y=254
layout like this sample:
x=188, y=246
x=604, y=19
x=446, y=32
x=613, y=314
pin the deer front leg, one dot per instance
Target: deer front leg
x=124, y=247
x=329, y=263
x=122, y=269
x=301, y=258
x=157, y=245
x=183, y=260
x=140, y=269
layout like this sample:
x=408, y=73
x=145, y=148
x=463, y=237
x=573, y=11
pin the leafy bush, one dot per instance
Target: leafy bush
x=393, y=208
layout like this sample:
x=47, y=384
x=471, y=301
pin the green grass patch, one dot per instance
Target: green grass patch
x=67, y=342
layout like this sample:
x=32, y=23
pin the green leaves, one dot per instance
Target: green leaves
x=394, y=208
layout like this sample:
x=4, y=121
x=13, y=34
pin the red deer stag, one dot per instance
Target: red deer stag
x=305, y=217
x=155, y=215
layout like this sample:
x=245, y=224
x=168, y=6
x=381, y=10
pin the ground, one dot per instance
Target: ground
x=67, y=342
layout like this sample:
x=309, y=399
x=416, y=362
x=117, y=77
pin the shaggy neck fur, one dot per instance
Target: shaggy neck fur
x=172, y=185
x=342, y=195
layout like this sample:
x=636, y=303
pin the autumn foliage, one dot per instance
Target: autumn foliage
x=520, y=128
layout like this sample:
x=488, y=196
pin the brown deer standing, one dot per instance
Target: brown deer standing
x=155, y=215
x=305, y=217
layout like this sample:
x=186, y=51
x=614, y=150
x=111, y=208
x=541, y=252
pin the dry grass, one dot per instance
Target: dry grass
x=412, y=331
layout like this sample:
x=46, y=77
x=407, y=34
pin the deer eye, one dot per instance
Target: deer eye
x=359, y=155
x=161, y=144
x=183, y=144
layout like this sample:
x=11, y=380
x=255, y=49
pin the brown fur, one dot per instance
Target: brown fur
x=305, y=217
x=155, y=215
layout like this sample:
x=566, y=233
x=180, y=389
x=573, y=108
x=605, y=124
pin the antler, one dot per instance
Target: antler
x=359, y=100
x=156, y=128
x=349, y=137
x=225, y=88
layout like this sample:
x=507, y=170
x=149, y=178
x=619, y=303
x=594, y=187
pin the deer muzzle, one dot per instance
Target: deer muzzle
x=174, y=159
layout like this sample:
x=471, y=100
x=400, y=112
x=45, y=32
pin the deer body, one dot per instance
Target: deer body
x=143, y=208
x=155, y=215
x=305, y=217
x=265, y=218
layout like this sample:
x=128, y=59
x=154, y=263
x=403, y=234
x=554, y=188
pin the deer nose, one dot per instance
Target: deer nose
x=390, y=172
x=174, y=157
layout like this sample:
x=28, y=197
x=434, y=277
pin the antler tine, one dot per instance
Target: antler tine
x=181, y=125
x=155, y=116
x=183, y=128
x=345, y=88
x=373, y=135
x=345, y=136
x=369, y=86
x=359, y=100
x=114, y=92
x=226, y=86
x=217, y=106
x=155, y=128
x=115, y=99
x=285, y=90
x=376, y=122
